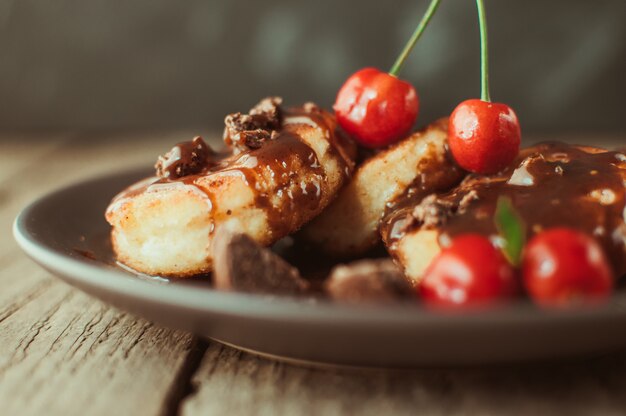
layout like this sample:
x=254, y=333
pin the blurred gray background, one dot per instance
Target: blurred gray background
x=107, y=64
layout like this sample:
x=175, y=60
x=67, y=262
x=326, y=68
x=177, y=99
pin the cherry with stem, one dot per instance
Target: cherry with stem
x=377, y=108
x=484, y=137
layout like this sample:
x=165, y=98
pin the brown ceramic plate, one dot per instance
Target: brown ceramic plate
x=65, y=233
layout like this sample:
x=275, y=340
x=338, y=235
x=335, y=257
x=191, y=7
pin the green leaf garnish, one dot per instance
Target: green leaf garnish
x=512, y=230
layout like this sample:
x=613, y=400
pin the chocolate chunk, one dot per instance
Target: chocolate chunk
x=237, y=122
x=186, y=158
x=268, y=110
x=254, y=139
x=367, y=281
x=241, y=264
x=250, y=131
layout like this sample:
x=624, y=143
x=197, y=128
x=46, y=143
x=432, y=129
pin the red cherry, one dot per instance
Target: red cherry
x=563, y=266
x=484, y=137
x=470, y=272
x=376, y=108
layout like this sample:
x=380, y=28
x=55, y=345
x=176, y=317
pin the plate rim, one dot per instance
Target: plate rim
x=275, y=308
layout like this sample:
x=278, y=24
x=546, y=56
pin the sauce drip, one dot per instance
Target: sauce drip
x=550, y=185
x=271, y=172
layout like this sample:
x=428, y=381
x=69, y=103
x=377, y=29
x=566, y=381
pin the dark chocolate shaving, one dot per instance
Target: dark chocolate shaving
x=367, y=281
x=241, y=264
x=250, y=131
x=269, y=109
x=254, y=139
x=186, y=158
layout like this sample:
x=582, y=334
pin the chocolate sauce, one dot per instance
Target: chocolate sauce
x=550, y=184
x=435, y=176
x=341, y=145
x=272, y=170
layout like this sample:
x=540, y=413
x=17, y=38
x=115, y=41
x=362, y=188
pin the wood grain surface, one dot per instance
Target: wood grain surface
x=64, y=353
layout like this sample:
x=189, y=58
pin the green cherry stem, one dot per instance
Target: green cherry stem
x=484, y=52
x=397, y=66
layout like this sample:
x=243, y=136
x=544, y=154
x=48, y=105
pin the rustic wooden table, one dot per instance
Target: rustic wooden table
x=65, y=353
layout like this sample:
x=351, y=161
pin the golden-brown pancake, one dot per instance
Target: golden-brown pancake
x=284, y=168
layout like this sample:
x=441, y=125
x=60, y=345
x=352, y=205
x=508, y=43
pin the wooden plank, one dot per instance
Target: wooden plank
x=232, y=382
x=65, y=353
x=62, y=352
